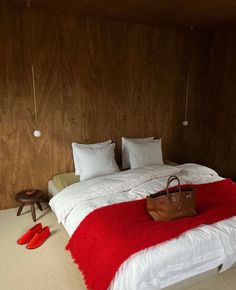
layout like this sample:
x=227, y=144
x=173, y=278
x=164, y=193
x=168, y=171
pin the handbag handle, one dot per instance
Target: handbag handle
x=170, y=179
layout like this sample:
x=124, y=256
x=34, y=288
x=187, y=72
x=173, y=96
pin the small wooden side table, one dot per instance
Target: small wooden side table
x=24, y=199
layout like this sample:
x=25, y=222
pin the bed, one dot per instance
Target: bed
x=205, y=249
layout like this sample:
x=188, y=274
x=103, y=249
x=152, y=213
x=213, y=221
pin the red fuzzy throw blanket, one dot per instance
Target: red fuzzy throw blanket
x=111, y=234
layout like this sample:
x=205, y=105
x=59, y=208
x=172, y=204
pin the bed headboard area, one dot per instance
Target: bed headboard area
x=94, y=80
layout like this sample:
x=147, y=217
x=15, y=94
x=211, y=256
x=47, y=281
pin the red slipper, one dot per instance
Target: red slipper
x=39, y=238
x=29, y=234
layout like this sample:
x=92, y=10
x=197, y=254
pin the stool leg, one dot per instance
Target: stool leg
x=39, y=205
x=20, y=208
x=33, y=212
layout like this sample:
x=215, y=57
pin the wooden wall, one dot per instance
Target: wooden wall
x=95, y=80
x=210, y=139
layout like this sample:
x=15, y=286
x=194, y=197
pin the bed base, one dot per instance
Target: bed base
x=192, y=281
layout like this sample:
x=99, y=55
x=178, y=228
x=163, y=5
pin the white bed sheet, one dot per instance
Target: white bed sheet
x=194, y=252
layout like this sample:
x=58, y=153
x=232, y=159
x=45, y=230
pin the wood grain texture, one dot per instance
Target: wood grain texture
x=99, y=79
x=209, y=138
x=201, y=13
x=25, y=160
x=95, y=80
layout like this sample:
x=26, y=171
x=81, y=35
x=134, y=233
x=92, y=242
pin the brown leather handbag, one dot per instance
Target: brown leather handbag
x=166, y=205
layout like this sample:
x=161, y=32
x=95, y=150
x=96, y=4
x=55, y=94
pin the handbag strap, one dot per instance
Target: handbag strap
x=171, y=179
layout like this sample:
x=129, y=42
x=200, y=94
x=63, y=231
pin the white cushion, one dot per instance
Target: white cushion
x=192, y=169
x=76, y=146
x=96, y=161
x=145, y=153
x=125, y=153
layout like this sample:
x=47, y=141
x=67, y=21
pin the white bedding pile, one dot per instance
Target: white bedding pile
x=194, y=252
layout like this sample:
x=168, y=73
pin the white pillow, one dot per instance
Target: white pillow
x=75, y=146
x=124, y=149
x=191, y=169
x=145, y=153
x=96, y=161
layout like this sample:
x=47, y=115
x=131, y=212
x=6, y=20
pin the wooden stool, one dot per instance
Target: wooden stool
x=24, y=199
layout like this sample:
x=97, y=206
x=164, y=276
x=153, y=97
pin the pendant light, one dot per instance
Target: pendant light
x=37, y=133
x=185, y=122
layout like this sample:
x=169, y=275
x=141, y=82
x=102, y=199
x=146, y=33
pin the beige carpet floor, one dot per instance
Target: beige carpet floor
x=46, y=268
x=50, y=267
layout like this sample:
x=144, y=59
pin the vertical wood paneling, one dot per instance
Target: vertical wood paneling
x=209, y=139
x=95, y=80
x=222, y=99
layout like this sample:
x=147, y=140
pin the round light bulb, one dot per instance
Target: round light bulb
x=185, y=123
x=37, y=133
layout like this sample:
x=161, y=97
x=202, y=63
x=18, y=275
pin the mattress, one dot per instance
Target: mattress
x=52, y=189
x=194, y=252
x=60, y=181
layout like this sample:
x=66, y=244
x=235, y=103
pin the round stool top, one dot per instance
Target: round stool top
x=23, y=197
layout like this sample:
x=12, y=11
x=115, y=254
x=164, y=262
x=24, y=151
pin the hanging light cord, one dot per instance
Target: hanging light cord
x=35, y=103
x=186, y=99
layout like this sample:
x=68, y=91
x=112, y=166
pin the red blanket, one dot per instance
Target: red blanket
x=109, y=235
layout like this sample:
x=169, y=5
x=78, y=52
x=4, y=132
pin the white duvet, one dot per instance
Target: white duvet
x=194, y=252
